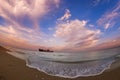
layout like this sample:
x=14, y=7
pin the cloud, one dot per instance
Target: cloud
x=96, y=2
x=75, y=34
x=107, y=25
x=31, y=8
x=72, y=35
x=16, y=42
x=16, y=12
x=119, y=28
x=66, y=16
x=110, y=44
x=110, y=18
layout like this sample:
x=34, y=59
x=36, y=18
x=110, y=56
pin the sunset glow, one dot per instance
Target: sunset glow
x=60, y=25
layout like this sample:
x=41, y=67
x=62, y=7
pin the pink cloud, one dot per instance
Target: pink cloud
x=72, y=35
x=14, y=11
x=32, y=8
x=110, y=44
x=66, y=16
x=75, y=34
x=110, y=17
x=16, y=42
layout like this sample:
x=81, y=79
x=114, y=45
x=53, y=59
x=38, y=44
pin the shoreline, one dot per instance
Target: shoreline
x=73, y=77
x=27, y=64
x=12, y=68
x=69, y=76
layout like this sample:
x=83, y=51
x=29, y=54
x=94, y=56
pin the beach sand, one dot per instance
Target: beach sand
x=12, y=68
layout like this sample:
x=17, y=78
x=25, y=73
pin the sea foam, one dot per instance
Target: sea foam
x=42, y=63
x=69, y=70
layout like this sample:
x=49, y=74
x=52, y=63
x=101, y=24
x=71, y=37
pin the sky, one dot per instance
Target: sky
x=60, y=25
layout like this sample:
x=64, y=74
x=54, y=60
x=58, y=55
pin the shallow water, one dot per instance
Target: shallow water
x=72, y=57
x=70, y=70
x=69, y=65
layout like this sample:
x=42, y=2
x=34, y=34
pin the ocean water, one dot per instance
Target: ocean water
x=68, y=65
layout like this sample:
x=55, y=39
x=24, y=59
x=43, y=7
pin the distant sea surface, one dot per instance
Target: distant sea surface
x=69, y=65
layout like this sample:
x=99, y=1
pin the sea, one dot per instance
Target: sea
x=69, y=65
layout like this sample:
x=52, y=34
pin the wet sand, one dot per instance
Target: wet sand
x=12, y=68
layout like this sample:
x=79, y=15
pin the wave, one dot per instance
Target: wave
x=70, y=70
x=48, y=65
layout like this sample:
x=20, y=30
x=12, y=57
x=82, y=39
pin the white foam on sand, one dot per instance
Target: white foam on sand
x=69, y=70
x=63, y=69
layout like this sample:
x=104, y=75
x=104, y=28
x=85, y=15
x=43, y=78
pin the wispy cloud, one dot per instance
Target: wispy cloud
x=66, y=16
x=14, y=41
x=110, y=18
x=22, y=26
x=17, y=11
x=113, y=43
x=96, y=2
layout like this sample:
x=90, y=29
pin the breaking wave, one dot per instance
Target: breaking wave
x=67, y=69
x=50, y=64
